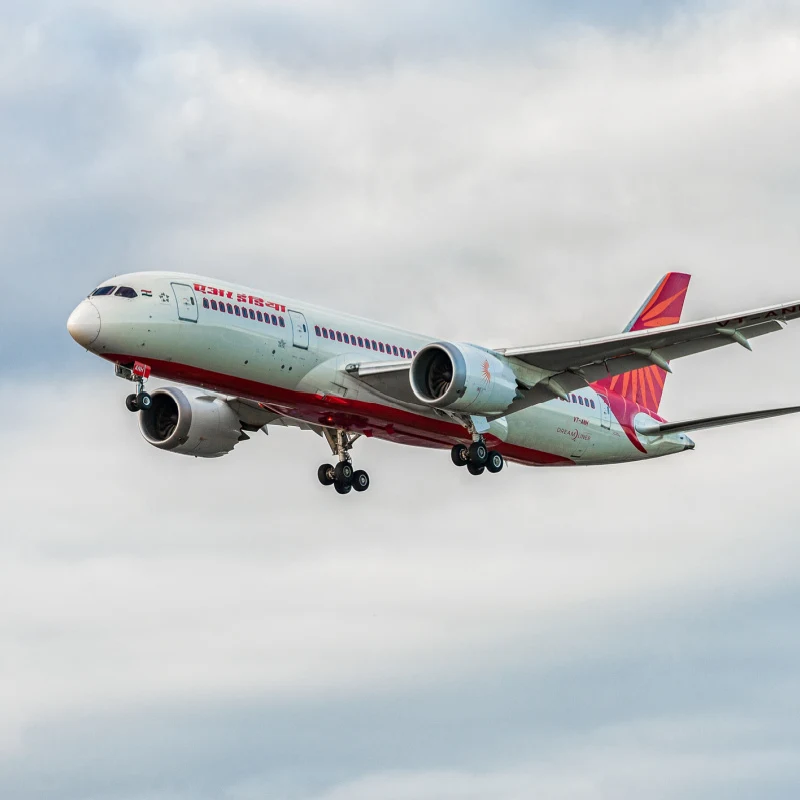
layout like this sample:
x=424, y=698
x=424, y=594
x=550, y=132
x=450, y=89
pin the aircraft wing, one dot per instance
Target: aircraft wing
x=583, y=362
x=574, y=365
x=656, y=429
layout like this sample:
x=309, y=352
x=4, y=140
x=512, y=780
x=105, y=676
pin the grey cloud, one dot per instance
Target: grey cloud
x=214, y=629
x=604, y=726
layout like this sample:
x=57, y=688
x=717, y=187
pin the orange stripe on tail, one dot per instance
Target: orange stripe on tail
x=664, y=307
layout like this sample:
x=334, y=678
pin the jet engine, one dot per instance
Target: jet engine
x=190, y=424
x=463, y=377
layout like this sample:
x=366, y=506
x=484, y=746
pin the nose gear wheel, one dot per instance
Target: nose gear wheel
x=141, y=400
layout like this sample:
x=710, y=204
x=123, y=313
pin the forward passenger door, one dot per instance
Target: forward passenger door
x=299, y=330
x=187, y=303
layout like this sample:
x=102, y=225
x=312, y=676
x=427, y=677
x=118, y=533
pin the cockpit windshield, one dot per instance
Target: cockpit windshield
x=122, y=291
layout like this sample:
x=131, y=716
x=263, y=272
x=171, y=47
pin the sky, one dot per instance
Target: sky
x=504, y=173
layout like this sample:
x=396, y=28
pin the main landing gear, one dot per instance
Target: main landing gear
x=477, y=458
x=342, y=477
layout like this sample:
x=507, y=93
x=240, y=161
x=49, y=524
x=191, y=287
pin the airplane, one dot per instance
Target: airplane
x=247, y=360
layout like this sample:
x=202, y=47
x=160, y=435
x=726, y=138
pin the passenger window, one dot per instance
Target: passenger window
x=260, y=316
x=251, y=313
x=339, y=336
x=274, y=320
x=367, y=344
x=380, y=345
x=572, y=398
x=346, y=338
x=237, y=311
x=592, y=403
x=360, y=342
x=126, y=291
x=325, y=332
x=394, y=349
x=205, y=302
x=230, y=308
x=283, y=324
x=103, y=290
x=317, y=330
x=214, y=306
x=402, y=353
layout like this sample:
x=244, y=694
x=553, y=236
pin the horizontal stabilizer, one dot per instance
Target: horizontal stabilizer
x=656, y=429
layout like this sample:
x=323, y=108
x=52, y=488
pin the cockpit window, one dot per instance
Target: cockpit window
x=125, y=291
x=103, y=290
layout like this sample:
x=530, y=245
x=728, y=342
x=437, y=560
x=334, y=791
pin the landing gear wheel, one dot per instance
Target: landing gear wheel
x=360, y=480
x=495, y=462
x=342, y=488
x=343, y=473
x=460, y=455
x=325, y=475
x=144, y=401
x=478, y=454
x=475, y=469
x=131, y=404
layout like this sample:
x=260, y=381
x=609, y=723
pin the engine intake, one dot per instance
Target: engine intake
x=463, y=377
x=190, y=424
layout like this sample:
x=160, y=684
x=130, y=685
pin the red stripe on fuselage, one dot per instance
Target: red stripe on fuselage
x=371, y=419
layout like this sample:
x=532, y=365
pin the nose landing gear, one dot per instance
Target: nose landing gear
x=342, y=477
x=140, y=401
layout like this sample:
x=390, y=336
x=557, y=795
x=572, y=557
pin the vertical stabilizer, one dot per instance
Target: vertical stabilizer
x=663, y=307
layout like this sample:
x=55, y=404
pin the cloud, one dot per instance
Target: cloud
x=172, y=628
x=552, y=164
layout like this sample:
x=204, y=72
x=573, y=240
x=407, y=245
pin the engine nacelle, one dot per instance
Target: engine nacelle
x=190, y=424
x=462, y=377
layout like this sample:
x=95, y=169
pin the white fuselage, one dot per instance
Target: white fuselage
x=213, y=335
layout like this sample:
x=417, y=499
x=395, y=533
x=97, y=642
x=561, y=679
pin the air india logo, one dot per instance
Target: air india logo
x=487, y=375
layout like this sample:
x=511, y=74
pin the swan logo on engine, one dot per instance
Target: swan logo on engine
x=485, y=371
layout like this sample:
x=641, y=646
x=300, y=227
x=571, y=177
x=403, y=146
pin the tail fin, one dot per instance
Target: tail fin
x=663, y=307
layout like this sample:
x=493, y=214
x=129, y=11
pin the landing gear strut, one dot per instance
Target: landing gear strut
x=342, y=477
x=140, y=401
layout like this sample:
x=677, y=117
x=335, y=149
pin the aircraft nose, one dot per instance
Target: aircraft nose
x=84, y=324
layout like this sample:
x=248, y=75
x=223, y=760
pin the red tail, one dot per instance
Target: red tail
x=663, y=307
